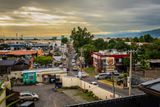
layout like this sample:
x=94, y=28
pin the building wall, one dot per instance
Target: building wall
x=15, y=74
x=40, y=75
x=99, y=92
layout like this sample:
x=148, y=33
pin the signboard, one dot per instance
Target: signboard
x=110, y=63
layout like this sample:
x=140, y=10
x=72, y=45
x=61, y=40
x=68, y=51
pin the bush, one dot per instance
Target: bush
x=43, y=60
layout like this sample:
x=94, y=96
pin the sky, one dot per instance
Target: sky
x=59, y=17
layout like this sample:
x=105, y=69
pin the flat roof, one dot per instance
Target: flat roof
x=44, y=70
x=18, y=52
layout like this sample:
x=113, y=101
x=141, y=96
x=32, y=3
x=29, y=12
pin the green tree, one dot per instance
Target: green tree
x=80, y=37
x=141, y=39
x=54, y=38
x=64, y=40
x=99, y=44
x=135, y=39
x=4, y=46
x=111, y=44
x=148, y=38
x=43, y=60
x=87, y=51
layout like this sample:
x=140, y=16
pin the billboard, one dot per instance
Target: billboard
x=110, y=62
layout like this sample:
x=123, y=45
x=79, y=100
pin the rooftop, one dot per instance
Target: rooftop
x=18, y=52
x=44, y=70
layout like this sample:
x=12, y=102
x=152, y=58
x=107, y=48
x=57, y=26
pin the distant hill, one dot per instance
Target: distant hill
x=154, y=33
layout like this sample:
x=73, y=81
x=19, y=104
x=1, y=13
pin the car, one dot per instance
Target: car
x=75, y=68
x=60, y=66
x=81, y=74
x=103, y=75
x=26, y=96
x=94, y=83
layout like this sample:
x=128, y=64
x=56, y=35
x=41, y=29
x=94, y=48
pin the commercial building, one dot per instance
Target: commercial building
x=42, y=75
x=109, y=60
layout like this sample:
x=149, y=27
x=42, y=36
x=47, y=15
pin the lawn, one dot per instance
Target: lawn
x=90, y=71
x=88, y=96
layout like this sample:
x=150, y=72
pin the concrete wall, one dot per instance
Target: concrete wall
x=155, y=73
x=15, y=74
x=70, y=81
x=99, y=92
x=2, y=96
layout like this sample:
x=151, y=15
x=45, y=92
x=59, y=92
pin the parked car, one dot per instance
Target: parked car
x=25, y=96
x=83, y=74
x=94, y=83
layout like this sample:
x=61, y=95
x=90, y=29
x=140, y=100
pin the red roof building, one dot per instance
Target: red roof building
x=108, y=60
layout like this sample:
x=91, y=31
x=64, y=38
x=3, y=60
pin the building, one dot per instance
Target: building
x=6, y=66
x=109, y=60
x=42, y=75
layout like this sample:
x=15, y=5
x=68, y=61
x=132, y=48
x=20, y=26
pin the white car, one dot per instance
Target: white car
x=94, y=83
x=81, y=74
x=25, y=96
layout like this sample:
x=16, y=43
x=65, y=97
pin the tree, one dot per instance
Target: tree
x=135, y=39
x=141, y=39
x=99, y=44
x=87, y=51
x=54, y=38
x=43, y=60
x=64, y=40
x=148, y=38
x=111, y=44
x=4, y=46
x=80, y=37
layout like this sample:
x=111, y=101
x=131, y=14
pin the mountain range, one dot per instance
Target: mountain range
x=154, y=33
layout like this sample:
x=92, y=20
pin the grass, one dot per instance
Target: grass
x=88, y=96
x=108, y=82
x=90, y=71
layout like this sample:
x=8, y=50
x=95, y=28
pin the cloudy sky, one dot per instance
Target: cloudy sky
x=57, y=17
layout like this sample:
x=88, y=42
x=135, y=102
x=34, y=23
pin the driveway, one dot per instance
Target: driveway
x=48, y=97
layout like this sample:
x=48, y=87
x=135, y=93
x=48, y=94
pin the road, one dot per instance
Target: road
x=48, y=97
x=120, y=92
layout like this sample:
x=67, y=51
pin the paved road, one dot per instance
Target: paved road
x=121, y=92
x=48, y=97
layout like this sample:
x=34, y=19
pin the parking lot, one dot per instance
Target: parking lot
x=48, y=97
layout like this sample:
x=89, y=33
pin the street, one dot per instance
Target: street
x=120, y=92
x=48, y=98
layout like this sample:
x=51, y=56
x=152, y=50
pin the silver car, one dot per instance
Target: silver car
x=25, y=96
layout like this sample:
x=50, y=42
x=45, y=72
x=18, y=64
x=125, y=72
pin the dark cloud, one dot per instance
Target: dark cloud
x=98, y=15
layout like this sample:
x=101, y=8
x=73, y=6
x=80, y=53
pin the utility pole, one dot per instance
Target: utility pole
x=114, y=91
x=81, y=58
x=130, y=74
